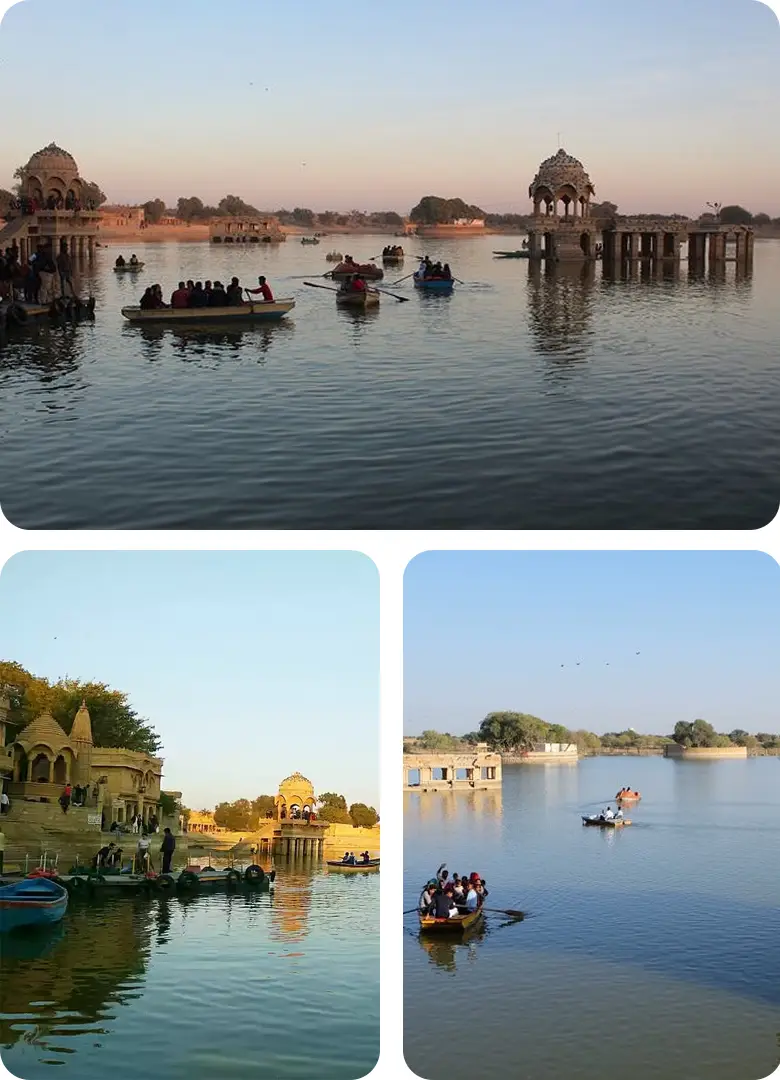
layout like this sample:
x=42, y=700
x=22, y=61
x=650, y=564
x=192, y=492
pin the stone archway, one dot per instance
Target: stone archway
x=40, y=768
x=60, y=771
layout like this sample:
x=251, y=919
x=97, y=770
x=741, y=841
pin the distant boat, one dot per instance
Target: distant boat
x=334, y=256
x=442, y=285
x=610, y=823
x=370, y=271
x=129, y=268
x=309, y=240
x=32, y=902
x=512, y=254
x=254, y=312
x=337, y=864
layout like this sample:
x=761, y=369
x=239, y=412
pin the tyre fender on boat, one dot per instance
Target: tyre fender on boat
x=164, y=882
x=254, y=875
x=16, y=314
x=76, y=884
x=232, y=877
x=188, y=880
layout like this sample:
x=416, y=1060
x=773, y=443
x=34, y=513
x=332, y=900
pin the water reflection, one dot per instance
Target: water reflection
x=196, y=344
x=290, y=920
x=560, y=310
x=443, y=805
x=358, y=323
x=447, y=953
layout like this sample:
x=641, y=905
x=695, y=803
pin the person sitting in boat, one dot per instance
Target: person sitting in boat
x=218, y=296
x=198, y=298
x=147, y=300
x=442, y=903
x=436, y=270
x=234, y=293
x=446, y=273
x=619, y=814
x=265, y=289
x=472, y=897
x=609, y=814
x=358, y=284
x=426, y=899
x=442, y=874
x=180, y=296
x=345, y=860
x=365, y=857
x=134, y=260
x=120, y=260
x=102, y=857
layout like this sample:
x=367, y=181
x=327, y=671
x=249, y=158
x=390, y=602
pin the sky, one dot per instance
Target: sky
x=250, y=665
x=668, y=104
x=492, y=631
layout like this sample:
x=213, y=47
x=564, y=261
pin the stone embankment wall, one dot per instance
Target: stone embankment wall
x=704, y=753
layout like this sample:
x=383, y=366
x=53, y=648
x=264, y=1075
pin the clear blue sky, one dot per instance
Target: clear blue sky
x=669, y=103
x=250, y=665
x=486, y=631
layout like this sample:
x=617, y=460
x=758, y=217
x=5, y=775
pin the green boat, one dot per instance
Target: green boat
x=512, y=254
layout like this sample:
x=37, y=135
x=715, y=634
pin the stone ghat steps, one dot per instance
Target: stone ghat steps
x=48, y=817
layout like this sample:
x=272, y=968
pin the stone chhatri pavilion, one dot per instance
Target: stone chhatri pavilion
x=50, y=182
x=563, y=229
x=119, y=782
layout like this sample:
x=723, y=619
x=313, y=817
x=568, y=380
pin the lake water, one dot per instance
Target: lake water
x=650, y=952
x=221, y=985
x=524, y=400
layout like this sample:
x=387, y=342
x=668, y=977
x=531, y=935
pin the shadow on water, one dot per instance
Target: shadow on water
x=196, y=344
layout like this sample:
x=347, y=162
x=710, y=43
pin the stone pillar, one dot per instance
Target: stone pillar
x=73, y=247
x=749, y=241
x=740, y=247
x=632, y=246
x=91, y=246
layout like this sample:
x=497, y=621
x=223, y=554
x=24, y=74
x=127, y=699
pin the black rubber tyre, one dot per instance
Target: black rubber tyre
x=16, y=315
x=188, y=880
x=232, y=877
x=254, y=875
x=164, y=882
x=76, y=885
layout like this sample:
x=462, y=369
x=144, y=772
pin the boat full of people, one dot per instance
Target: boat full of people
x=351, y=862
x=433, y=276
x=33, y=901
x=334, y=256
x=196, y=302
x=627, y=795
x=369, y=271
x=310, y=240
x=129, y=267
x=451, y=905
x=392, y=254
x=354, y=293
x=607, y=819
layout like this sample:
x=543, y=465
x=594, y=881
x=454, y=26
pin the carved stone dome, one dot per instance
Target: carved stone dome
x=562, y=178
x=296, y=780
x=51, y=158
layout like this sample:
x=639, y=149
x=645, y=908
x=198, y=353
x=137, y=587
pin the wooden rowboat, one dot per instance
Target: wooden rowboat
x=441, y=285
x=128, y=268
x=254, y=312
x=457, y=924
x=633, y=797
x=358, y=300
x=512, y=254
x=32, y=902
x=334, y=256
x=614, y=823
x=337, y=864
x=369, y=271
x=309, y=240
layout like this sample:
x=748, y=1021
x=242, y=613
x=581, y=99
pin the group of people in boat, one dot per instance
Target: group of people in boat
x=609, y=814
x=627, y=793
x=120, y=261
x=430, y=271
x=446, y=898
x=351, y=860
x=393, y=251
x=356, y=283
x=196, y=294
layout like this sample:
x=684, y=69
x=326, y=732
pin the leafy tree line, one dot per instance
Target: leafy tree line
x=513, y=732
x=244, y=815
x=114, y=721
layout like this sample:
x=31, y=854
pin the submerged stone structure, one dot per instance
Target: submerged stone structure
x=478, y=770
x=53, y=208
x=564, y=229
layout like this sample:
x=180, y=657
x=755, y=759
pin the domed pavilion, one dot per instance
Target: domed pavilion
x=561, y=193
x=52, y=176
x=296, y=795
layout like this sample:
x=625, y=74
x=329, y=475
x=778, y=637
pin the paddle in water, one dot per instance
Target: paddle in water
x=403, y=299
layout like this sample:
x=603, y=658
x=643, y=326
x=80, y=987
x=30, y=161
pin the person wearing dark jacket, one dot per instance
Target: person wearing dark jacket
x=167, y=849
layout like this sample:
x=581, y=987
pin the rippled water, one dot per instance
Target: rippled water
x=220, y=986
x=523, y=400
x=651, y=951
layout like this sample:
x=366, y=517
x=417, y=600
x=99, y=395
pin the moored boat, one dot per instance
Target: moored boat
x=512, y=254
x=35, y=901
x=433, y=284
x=605, y=823
x=310, y=240
x=337, y=864
x=370, y=271
x=455, y=924
x=252, y=312
x=129, y=268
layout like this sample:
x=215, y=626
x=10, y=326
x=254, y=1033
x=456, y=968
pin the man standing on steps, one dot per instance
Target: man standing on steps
x=167, y=849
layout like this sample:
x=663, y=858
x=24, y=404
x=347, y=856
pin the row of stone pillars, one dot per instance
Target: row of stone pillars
x=79, y=247
x=619, y=246
x=293, y=847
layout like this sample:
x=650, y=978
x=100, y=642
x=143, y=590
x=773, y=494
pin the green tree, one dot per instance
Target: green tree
x=169, y=806
x=336, y=814
x=735, y=215
x=114, y=721
x=6, y=198
x=586, y=741
x=303, y=216
x=761, y=219
x=363, y=815
x=433, y=210
x=262, y=804
x=507, y=731
x=189, y=209
x=437, y=740
x=233, y=206
x=91, y=195
x=698, y=733
x=237, y=816
x=330, y=798
x=557, y=733
x=154, y=210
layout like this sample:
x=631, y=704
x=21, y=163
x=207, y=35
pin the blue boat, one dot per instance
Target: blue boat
x=32, y=902
x=433, y=284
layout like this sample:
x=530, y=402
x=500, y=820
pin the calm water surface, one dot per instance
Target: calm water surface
x=524, y=400
x=651, y=952
x=283, y=985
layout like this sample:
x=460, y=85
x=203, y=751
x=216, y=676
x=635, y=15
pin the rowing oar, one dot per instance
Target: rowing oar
x=403, y=299
x=394, y=283
x=506, y=911
x=411, y=909
x=313, y=285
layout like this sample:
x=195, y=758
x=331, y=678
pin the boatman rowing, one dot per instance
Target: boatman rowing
x=265, y=289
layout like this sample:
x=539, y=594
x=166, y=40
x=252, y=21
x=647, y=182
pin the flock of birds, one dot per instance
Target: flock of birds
x=606, y=662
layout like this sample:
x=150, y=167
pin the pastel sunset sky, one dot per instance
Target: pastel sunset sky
x=668, y=103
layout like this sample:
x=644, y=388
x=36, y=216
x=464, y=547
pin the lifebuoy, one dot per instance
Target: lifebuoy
x=232, y=877
x=164, y=882
x=188, y=880
x=16, y=314
x=254, y=874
